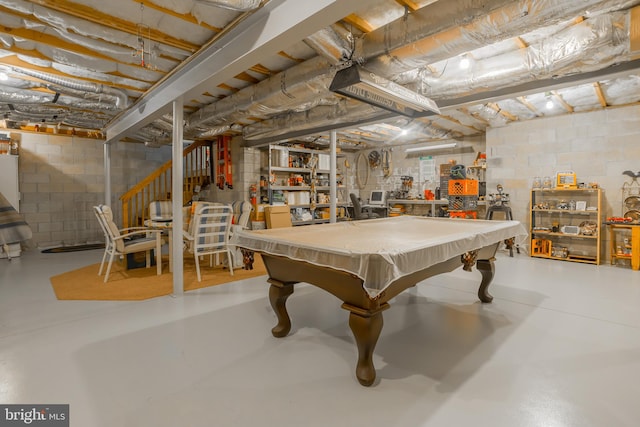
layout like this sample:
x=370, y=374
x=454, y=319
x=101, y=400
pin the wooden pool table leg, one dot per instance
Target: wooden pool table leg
x=487, y=269
x=366, y=326
x=278, y=294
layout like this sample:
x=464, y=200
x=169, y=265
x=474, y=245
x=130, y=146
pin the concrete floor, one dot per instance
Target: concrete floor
x=559, y=346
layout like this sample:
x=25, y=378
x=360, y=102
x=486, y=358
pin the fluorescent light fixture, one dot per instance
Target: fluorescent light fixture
x=358, y=83
x=430, y=147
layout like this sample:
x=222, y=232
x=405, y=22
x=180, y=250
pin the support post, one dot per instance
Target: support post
x=332, y=178
x=107, y=172
x=177, y=183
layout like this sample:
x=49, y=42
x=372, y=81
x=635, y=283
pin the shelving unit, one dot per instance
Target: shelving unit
x=418, y=207
x=291, y=180
x=625, y=243
x=559, y=231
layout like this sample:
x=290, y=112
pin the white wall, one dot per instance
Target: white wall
x=597, y=146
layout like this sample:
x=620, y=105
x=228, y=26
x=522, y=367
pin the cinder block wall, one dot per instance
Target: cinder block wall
x=408, y=164
x=61, y=178
x=597, y=146
x=245, y=166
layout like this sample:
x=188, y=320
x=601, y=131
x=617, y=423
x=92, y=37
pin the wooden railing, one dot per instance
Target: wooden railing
x=157, y=185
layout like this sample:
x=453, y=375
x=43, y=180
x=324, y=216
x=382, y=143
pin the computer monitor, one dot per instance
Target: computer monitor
x=377, y=197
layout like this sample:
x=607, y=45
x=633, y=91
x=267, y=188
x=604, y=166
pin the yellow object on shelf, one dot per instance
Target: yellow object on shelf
x=566, y=180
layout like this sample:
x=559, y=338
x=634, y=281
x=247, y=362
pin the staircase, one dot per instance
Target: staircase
x=157, y=185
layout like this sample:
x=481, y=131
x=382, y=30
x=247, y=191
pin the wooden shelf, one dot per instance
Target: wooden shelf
x=572, y=258
x=552, y=234
x=278, y=159
x=547, y=243
x=633, y=231
x=566, y=211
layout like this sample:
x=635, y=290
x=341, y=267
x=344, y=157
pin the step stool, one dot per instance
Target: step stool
x=508, y=216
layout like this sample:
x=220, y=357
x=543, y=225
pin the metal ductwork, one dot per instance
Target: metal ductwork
x=304, y=86
x=434, y=35
x=25, y=96
x=592, y=44
x=333, y=43
x=237, y=5
x=121, y=98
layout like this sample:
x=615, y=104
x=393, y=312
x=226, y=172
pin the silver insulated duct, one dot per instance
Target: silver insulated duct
x=434, y=37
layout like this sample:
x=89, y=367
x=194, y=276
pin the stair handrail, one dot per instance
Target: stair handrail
x=157, y=185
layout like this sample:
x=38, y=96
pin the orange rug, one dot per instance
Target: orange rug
x=143, y=283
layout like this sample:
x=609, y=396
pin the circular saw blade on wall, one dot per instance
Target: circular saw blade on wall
x=362, y=171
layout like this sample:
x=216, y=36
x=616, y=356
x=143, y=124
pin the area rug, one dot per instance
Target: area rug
x=73, y=248
x=143, y=283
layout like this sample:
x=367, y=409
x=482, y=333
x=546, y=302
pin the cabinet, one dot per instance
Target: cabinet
x=300, y=178
x=625, y=243
x=566, y=224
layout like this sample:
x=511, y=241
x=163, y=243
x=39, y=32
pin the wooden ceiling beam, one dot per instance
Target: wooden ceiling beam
x=359, y=23
x=90, y=14
x=521, y=43
x=246, y=77
x=459, y=123
x=409, y=4
x=502, y=112
x=184, y=16
x=600, y=94
x=286, y=55
x=225, y=86
x=524, y=101
x=451, y=132
x=562, y=102
x=466, y=111
x=261, y=69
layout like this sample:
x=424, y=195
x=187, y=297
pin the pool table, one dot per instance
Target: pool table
x=367, y=263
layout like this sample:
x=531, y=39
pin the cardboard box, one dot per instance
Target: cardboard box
x=277, y=216
x=257, y=213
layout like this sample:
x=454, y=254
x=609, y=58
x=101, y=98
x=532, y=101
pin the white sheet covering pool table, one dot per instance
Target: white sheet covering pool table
x=380, y=251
